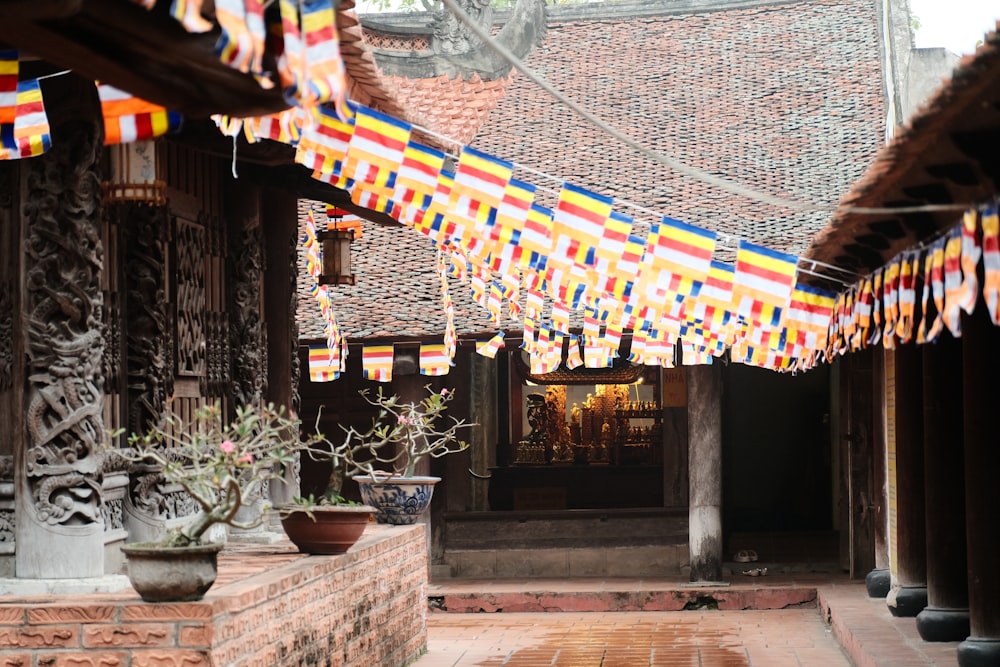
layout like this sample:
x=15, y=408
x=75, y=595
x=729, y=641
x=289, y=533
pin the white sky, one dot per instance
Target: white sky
x=954, y=24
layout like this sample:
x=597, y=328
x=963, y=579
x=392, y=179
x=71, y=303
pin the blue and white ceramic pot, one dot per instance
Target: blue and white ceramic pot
x=398, y=500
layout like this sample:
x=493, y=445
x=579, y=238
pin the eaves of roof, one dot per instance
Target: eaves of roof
x=946, y=154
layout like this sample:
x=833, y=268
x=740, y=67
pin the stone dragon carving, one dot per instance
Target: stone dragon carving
x=146, y=316
x=64, y=337
x=450, y=36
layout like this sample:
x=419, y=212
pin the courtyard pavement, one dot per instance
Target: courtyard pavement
x=841, y=626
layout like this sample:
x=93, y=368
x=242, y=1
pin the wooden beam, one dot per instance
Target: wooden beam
x=147, y=53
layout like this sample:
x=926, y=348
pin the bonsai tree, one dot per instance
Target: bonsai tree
x=401, y=435
x=219, y=464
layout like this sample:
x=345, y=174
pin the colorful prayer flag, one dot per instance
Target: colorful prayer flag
x=489, y=348
x=376, y=362
x=324, y=364
x=434, y=359
x=762, y=285
x=128, y=118
x=991, y=262
x=375, y=151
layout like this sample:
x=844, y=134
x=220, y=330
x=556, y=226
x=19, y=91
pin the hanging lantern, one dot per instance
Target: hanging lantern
x=335, y=243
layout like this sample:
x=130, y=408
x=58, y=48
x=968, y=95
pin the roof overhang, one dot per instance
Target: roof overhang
x=945, y=155
x=146, y=52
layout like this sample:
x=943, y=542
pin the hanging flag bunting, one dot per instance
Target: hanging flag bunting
x=375, y=151
x=489, y=348
x=431, y=221
x=241, y=42
x=877, y=296
x=991, y=262
x=909, y=270
x=323, y=146
x=376, y=362
x=807, y=319
x=890, y=302
x=324, y=364
x=574, y=357
x=536, y=240
x=188, y=12
x=762, y=285
x=434, y=359
x=24, y=126
x=128, y=118
x=971, y=252
x=310, y=67
x=927, y=311
x=450, y=337
x=504, y=246
x=579, y=225
x=862, y=315
x=284, y=126
x=416, y=180
x=480, y=182
x=954, y=293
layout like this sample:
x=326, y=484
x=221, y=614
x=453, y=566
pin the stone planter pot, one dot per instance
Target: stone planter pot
x=171, y=574
x=398, y=500
x=333, y=529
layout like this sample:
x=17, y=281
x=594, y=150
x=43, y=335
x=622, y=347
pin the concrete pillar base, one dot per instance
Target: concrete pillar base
x=906, y=601
x=878, y=582
x=975, y=652
x=943, y=625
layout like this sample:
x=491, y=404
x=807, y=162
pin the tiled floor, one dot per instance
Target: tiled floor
x=774, y=624
x=605, y=639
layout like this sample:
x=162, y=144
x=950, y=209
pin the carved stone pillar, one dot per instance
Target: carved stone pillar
x=705, y=469
x=58, y=473
x=147, y=339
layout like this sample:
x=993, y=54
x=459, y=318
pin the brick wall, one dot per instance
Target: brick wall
x=270, y=607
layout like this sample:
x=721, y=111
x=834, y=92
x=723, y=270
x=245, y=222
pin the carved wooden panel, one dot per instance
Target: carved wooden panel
x=189, y=246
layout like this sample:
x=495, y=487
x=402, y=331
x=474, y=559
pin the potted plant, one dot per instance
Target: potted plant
x=402, y=435
x=220, y=465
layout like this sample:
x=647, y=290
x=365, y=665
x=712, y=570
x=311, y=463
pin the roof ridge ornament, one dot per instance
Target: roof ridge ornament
x=451, y=36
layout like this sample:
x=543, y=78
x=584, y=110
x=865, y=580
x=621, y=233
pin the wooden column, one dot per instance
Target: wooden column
x=705, y=468
x=981, y=396
x=878, y=582
x=279, y=223
x=908, y=596
x=946, y=617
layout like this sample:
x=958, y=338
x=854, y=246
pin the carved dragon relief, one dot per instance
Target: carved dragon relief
x=293, y=306
x=450, y=36
x=147, y=359
x=190, y=244
x=146, y=316
x=246, y=326
x=6, y=336
x=64, y=337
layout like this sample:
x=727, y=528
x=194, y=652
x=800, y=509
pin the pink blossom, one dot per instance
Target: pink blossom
x=403, y=419
x=227, y=446
x=246, y=458
x=444, y=392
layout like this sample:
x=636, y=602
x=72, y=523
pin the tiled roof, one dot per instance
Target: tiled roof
x=784, y=98
x=945, y=154
x=398, y=292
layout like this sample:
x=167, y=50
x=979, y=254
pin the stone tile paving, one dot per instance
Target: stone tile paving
x=776, y=638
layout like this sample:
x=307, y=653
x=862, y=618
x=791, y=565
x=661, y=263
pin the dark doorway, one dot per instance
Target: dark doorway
x=777, y=458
